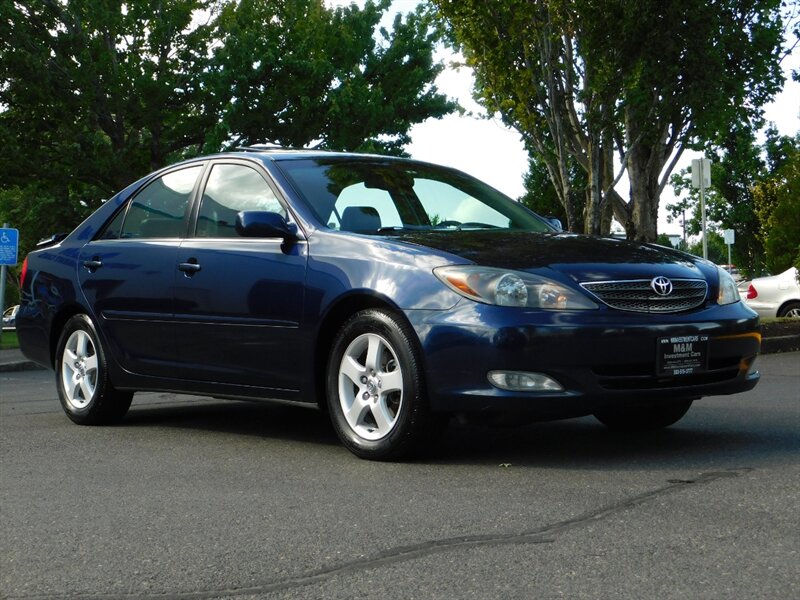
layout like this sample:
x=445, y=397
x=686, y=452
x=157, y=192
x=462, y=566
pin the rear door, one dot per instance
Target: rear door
x=128, y=274
x=239, y=301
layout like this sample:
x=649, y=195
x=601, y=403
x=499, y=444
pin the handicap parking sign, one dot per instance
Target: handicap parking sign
x=9, y=243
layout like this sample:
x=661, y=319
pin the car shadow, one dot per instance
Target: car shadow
x=290, y=423
x=581, y=443
x=586, y=444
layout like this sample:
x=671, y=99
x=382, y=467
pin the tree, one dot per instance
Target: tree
x=783, y=225
x=736, y=165
x=99, y=92
x=300, y=73
x=96, y=93
x=744, y=190
x=541, y=196
x=646, y=79
x=663, y=240
x=526, y=70
x=717, y=249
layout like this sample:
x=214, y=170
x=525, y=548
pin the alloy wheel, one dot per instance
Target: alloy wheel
x=79, y=369
x=370, y=386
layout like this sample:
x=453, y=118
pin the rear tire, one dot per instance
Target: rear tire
x=643, y=418
x=375, y=389
x=85, y=392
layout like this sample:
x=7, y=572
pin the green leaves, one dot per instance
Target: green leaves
x=745, y=194
x=584, y=80
x=298, y=73
x=96, y=93
x=111, y=90
x=778, y=202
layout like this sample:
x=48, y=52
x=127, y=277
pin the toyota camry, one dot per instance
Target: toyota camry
x=388, y=292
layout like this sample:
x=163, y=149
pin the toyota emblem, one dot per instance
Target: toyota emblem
x=661, y=286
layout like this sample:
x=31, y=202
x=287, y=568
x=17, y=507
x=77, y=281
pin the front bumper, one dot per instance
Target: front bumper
x=601, y=357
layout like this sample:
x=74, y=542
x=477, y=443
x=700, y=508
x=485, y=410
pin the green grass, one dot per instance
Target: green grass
x=9, y=340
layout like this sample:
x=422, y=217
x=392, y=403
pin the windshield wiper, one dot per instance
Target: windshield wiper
x=402, y=228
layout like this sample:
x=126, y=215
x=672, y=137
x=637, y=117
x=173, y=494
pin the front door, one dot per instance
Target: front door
x=239, y=301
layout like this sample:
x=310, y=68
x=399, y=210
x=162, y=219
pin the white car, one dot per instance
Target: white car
x=734, y=272
x=776, y=296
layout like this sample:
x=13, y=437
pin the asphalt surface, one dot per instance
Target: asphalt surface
x=194, y=498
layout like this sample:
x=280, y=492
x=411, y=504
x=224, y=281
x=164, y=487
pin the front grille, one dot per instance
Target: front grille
x=639, y=296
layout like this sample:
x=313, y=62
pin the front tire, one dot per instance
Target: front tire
x=85, y=392
x=375, y=388
x=643, y=418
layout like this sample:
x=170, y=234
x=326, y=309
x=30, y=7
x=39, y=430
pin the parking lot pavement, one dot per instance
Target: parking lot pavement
x=198, y=498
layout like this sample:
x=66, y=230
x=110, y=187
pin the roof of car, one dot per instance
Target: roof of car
x=287, y=153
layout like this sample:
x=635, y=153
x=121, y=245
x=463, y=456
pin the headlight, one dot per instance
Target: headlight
x=728, y=293
x=511, y=288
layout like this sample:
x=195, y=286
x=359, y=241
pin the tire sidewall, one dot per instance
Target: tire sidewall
x=393, y=331
x=88, y=413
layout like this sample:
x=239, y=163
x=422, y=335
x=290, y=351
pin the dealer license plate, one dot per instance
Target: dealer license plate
x=682, y=355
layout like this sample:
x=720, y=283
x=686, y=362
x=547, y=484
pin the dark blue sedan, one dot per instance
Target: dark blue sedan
x=390, y=292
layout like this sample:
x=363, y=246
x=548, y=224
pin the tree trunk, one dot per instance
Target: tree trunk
x=643, y=173
x=607, y=210
x=569, y=203
x=594, y=193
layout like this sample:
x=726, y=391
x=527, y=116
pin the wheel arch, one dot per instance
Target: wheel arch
x=336, y=316
x=57, y=326
x=787, y=304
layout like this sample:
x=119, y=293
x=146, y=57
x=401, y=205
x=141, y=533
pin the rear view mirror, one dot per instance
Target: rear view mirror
x=264, y=224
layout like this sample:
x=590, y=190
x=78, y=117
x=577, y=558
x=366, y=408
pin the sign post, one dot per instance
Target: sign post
x=9, y=247
x=729, y=235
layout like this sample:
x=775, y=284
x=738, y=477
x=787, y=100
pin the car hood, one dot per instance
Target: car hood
x=583, y=258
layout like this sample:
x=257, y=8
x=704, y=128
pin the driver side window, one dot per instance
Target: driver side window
x=229, y=190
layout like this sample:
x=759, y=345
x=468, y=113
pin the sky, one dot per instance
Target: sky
x=488, y=150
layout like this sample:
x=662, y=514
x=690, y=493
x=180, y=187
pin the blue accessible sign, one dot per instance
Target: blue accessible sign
x=9, y=244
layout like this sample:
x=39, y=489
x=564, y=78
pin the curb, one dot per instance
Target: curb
x=23, y=365
x=780, y=343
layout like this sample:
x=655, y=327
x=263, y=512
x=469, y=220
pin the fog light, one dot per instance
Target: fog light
x=520, y=381
x=751, y=368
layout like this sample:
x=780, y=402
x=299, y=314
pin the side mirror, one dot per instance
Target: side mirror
x=264, y=224
x=554, y=222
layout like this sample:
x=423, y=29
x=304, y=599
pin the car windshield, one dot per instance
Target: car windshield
x=386, y=196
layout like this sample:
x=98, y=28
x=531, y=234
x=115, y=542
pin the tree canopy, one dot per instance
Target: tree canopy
x=747, y=180
x=777, y=201
x=300, y=73
x=633, y=80
x=96, y=93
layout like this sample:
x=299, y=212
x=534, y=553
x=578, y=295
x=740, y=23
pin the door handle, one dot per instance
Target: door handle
x=92, y=265
x=190, y=268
